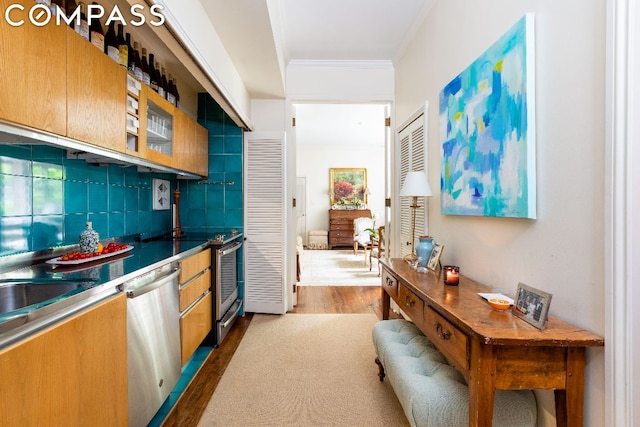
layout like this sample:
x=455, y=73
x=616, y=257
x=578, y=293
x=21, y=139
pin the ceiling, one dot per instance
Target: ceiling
x=263, y=37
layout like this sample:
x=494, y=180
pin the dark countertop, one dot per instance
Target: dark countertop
x=103, y=278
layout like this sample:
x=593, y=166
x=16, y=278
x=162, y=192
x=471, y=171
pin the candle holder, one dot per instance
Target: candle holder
x=451, y=275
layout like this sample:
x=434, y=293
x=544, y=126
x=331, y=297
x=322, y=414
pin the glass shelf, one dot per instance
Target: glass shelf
x=159, y=129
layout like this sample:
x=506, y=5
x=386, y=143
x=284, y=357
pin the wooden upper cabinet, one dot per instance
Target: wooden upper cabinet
x=191, y=145
x=96, y=96
x=201, y=166
x=33, y=64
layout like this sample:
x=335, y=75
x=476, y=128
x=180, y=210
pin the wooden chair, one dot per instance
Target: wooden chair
x=378, y=245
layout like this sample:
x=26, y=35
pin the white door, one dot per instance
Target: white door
x=301, y=208
x=412, y=138
x=265, y=230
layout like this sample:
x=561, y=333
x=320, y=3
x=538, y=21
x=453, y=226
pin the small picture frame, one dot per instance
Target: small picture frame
x=532, y=305
x=432, y=264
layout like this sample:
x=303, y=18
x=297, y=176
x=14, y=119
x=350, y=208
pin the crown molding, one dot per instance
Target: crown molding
x=353, y=64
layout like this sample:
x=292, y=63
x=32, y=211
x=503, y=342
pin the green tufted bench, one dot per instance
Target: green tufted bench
x=432, y=392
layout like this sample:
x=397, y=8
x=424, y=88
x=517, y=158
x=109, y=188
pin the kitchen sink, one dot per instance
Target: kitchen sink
x=17, y=294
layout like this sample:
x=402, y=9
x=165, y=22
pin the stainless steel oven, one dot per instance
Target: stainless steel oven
x=227, y=304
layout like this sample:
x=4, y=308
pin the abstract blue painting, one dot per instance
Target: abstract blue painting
x=487, y=131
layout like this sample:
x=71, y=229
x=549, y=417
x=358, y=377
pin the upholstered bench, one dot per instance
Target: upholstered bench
x=318, y=239
x=432, y=392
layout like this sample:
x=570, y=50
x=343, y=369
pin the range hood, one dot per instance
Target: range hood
x=13, y=134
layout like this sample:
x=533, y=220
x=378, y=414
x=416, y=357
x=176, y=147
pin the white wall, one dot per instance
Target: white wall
x=314, y=163
x=561, y=251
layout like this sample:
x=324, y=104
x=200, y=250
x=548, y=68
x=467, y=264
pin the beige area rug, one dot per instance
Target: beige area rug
x=337, y=268
x=304, y=370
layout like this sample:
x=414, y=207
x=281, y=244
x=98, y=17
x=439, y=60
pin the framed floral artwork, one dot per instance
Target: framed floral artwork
x=348, y=186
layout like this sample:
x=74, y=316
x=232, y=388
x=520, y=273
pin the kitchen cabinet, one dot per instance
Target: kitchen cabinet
x=71, y=373
x=156, y=127
x=96, y=96
x=191, y=145
x=33, y=63
x=196, y=302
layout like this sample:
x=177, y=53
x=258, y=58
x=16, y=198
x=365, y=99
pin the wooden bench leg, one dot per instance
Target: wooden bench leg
x=380, y=369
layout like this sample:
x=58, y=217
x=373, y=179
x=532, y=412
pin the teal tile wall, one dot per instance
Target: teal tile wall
x=214, y=207
x=46, y=199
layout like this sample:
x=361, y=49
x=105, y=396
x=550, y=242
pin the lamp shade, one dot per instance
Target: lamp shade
x=416, y=185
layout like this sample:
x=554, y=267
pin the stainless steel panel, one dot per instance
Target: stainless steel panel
x=153, y=345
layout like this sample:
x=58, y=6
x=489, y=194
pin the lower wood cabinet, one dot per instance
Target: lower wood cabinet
x=71, y=374
x=196, y=302
x=195, y=324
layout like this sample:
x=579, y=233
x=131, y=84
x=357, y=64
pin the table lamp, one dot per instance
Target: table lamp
x=415, y=185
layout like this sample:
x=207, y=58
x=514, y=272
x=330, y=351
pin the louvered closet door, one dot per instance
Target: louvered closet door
x=264, y=225
x=412, y=158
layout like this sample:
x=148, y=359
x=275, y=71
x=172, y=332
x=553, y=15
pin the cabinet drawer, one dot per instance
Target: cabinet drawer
x=194, y=265
x=411, y=304
x=194, y=289
x=390, y=284
x=450, y=340
x=337, y=234
x=194, y=326
x=342, y=226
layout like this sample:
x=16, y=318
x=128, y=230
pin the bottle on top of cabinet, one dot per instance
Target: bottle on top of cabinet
x=83, y=28
x=146, y=78
x=138, y=61
x=111, y=43
x=131, y=63
x=96, y=34
x=123, y=49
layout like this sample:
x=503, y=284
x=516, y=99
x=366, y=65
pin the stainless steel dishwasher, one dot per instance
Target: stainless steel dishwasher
x=153, y=341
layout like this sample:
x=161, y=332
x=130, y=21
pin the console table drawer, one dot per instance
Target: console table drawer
x=390, y=284
x=451, y=341
x=411, y=304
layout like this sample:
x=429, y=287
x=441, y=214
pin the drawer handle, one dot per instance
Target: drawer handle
x=409, y=302
x=444, y=335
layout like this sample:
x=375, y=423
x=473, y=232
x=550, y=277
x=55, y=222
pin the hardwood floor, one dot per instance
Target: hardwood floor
x=311, y=299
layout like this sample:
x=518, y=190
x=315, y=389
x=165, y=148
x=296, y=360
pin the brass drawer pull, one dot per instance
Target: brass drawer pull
x=409, y=302
x=444, y=335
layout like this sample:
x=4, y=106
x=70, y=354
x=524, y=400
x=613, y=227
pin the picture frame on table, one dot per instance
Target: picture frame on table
x=434, y=259
x=532, y=305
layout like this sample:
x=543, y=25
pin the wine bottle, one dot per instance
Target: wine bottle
x=138, y=62
x=123, y=51
x=96, y=34
x=146, y=78
x=175, y=89
x=58, y=5
x=70, y=7
x=111, y=43
x=83, y=28
x=171, y=93
x=153, y=73
x=131, y=64
x=164, y=84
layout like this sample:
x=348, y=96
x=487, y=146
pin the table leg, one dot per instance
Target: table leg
x=386, y=303
x=570, y=402
x=482, y=381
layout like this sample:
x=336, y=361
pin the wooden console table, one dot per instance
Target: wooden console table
x=494, y=350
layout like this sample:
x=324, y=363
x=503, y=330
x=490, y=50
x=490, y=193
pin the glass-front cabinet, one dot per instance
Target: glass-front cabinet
x=158, y=127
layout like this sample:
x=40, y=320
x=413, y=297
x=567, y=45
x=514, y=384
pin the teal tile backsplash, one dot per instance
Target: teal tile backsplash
x=46, y=199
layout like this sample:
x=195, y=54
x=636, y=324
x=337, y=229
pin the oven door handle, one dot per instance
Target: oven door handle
x=229, y=249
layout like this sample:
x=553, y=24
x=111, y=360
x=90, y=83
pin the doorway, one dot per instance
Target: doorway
x=339, y=135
